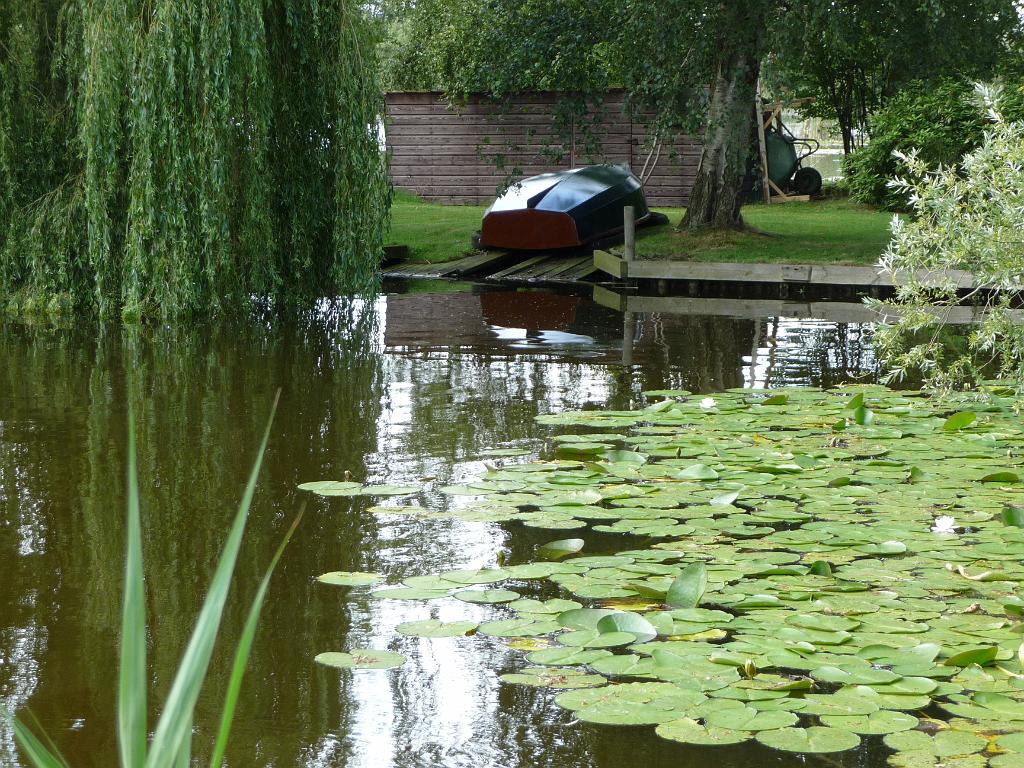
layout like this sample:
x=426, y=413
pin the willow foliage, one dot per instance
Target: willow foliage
x=165, y=157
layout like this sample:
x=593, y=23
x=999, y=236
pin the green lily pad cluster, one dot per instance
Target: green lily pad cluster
x=812, y=568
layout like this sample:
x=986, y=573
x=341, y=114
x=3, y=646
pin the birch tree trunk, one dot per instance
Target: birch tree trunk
x=717, y=190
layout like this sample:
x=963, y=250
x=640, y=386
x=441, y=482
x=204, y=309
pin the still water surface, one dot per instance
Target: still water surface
x=408, y=388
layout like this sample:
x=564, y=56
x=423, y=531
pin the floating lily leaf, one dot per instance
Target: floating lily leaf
x=1013, y=515
x=689, y=731
x=697, y=472
x=813, y=740
x=361, y=658
x=959, y=421
x=349, y=578
x=487, y=596
x=688, y=589
x=980, y=656
x=877, y=723
x=624, y=621
x=946, y=743
x=725, y=499
x=838, y=704
x=1004, y=476
x=476, y=576
x=435, y=628
x=775, y=400
x=568, y=656
x=918, y=475
x=583, y=618
x=556, y=550
x=543, y=677
x=332, y=488
x=593, y=638
x=863, y=416
x=750, y=719
x=624, y=457
x=518, y=627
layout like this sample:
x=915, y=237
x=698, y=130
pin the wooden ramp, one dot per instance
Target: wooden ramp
x=502, y=267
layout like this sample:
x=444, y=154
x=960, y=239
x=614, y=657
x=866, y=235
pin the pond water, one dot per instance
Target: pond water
x=408, y=388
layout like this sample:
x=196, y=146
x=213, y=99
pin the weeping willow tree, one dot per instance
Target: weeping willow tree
x=164, y=157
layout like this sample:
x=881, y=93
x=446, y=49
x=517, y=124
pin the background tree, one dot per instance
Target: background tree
x=173, y=156
x=696, y=63
x=853, y=55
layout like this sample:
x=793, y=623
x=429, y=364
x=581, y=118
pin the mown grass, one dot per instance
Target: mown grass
x=432, y=232
x=819, y=232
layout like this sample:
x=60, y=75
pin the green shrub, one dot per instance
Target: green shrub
x=940, y=120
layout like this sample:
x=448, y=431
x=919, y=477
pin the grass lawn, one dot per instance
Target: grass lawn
x=818, y=232
x=433, y=232
x=824, y=231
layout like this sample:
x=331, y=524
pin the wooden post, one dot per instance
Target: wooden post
x=763, y=150
x=628, y=335
x=629, y=232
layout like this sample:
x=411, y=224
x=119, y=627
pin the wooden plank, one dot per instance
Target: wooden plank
x=585, y=269
x=693, y=270
x=607, y=298
x=553, y=267
x=502, y=274
x=534, y=271
x=610, y=263
x=483, y=262
x=567, y=265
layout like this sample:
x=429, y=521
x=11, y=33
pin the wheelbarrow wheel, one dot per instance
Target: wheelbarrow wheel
x=807, y=181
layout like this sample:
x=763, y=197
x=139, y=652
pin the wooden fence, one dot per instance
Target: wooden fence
x=464, y=155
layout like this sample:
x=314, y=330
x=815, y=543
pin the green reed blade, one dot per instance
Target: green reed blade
x=37, y=754
x=174, y=727
x=244, y=647
x=132, y=729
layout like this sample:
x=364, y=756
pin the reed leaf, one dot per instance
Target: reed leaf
x=174, y=728
x=38, y=754
x=244, y=648
x=132, y=729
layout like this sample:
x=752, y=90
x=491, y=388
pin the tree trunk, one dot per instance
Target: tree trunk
x=716, y=196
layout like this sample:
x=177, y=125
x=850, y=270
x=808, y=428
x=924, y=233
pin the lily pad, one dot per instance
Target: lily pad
x=349, y=578
x=813, y=740
x=562, y=548
x=487, y=596
x=361, y=658
x=689, y=731
x=435, y=628
x=547, y=677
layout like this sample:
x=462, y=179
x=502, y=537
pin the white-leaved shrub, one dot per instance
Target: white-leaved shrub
x=967, y=218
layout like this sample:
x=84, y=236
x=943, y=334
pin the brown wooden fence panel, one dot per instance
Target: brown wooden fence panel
x=466, y=154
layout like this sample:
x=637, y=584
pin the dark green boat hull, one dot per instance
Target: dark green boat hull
x=565, y=209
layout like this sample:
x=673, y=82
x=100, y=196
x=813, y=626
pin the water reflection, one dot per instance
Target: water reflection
x=408, y=388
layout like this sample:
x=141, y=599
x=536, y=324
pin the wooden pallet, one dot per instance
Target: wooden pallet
x=547, y=268
x=500, y=266
x=480, y=263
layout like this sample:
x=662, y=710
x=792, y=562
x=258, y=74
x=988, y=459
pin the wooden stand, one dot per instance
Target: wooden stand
x=767, y=115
